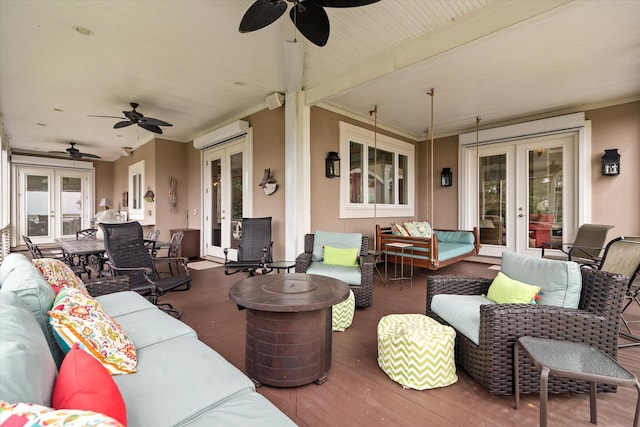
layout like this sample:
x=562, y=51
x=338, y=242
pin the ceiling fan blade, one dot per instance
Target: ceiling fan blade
x=155, y=122
x=92, y=156
x=123, y=124
x=261, y=14
x=344, y=3
x=109, y=117
x=150, y=128
x=312, y=21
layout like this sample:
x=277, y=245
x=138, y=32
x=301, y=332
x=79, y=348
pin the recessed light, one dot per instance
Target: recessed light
x=82, y=30
x=41, y=124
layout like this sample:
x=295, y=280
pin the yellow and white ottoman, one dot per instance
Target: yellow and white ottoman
x=342, y=313
x=416, y=351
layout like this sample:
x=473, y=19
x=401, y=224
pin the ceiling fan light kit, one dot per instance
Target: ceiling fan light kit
x=308, y=16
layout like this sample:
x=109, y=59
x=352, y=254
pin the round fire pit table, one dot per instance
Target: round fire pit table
x=288, y=326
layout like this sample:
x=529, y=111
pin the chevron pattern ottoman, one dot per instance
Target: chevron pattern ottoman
x=342, y=315
x=416, y=351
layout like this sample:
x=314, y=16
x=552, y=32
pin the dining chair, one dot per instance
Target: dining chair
x=586, y=247
x=38, y=252
x=622, y=256
x=254, y=249
x=125, y=248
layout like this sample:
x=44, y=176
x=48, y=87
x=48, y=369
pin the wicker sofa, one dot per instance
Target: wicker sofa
x=490, y=362
x=445, y=247
x=359, y=278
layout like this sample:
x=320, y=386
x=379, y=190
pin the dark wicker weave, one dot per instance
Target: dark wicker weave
x=595, y=322
x=107, y=285
x=255, y=248
x=362, y=293
x=128, y=256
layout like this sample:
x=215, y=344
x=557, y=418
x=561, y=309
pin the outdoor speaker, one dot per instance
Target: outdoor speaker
x=275, y=100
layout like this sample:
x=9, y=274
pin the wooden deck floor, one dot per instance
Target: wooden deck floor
x=359, y=393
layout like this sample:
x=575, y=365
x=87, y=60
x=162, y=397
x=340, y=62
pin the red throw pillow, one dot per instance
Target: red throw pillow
x=83, y=383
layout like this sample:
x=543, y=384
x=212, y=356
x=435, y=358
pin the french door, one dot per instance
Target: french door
x=225, y=180
x=522, y=194
x=52, y=203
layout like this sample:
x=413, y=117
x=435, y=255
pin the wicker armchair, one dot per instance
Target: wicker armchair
x=595, y=322
x=363, y=292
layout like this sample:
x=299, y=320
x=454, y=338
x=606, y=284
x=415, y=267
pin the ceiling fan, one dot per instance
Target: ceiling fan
x=74, y=153
x=134, y=117
x=308, y=16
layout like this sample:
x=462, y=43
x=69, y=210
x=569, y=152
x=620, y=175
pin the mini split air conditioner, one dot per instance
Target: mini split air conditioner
x=275, y=100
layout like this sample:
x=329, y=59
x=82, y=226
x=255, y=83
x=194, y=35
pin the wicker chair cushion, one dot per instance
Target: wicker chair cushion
x=337, y=240
x=561, y=281
x=462, y=312
x=349, y=275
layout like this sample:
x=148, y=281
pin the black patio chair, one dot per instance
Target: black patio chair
x=128, y=256
x=38, y=252
x=254, y=250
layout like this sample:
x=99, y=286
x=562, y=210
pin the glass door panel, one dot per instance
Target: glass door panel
x=545, y=220
x=493, y=199
x=71, y=205
x=224, y=176
x=38, y=207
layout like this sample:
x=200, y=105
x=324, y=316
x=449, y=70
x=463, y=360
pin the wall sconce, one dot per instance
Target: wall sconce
x=446, y=177
x=268, y=184
x=332, y=165
x=611, y=162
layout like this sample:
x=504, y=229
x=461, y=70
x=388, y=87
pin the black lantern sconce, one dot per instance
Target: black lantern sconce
x=332, y=165
x=446, y=177
x=611, y=162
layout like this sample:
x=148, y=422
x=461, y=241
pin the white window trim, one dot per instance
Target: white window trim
x=350, y=133
x=137, y=214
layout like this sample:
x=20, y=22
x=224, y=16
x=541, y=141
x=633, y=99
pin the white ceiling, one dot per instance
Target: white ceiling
x=186, y=63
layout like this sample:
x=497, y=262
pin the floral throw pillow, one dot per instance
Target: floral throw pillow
x=399, y=230
x=30, y=415
x=78, y=318
x=412, y=229
x=58, y=274
x=424, y=228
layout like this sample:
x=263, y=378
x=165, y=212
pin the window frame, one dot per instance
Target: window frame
x=136, y=169
x=350, y=133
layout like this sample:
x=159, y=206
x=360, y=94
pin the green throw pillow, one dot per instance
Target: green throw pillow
x=339, y=256
x=504, y=290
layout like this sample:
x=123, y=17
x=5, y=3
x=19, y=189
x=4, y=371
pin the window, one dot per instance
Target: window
x=136, y=191
x=377, y=176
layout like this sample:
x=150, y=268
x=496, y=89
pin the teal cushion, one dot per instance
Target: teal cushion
x=561, y=281
x=447, y=250
x=337, y=240
x=462, y=312
x=349, y=275
x=455, y=236
x=27, y=369
x=26, y=281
